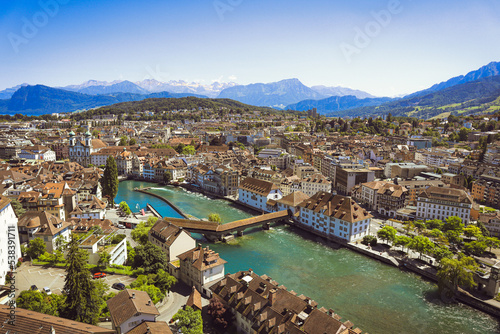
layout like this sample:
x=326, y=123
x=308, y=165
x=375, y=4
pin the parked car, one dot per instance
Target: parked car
x=47, y=290
x=99, y=275
x=118, y=286
x=121, y=226
x=34, y=288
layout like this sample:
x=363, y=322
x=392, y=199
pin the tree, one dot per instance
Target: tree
x=151, y=221
x=189, y=321
x=492, y=242
x=154, y=293
x=453, y=223
x=441, y=252
x=453, y=237
x=455, y=272
x=221, y=316
x=179, y=148
x=369, y=240
x=104, y=259
x=420, y=226
x=164, y=281
x=125, y=208
x=421, y=244
x=109, y=180
x=402, y=240
x=188, y=150
x=123, y=141
x=150, y=257
x=436, y=233
x=387, y=233
x=40, y=302
x=167, y=177
x=17, y=207
x=434, y=224
x=472, y=231
x=36, y=248
x=132, y=141
x=214, y=217
x=476, y=247
x=83, y=297
x=140, y=233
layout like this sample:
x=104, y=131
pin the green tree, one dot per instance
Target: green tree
x=125, y=208
x=453, y=237
x=132, y=141
x=40, y=302
x=104, y=259
x=214, y=217
x=402, y=240
x=167, y=177
x=387, y=233
x=154, y=293
x=189, y=321
x=140, y=233
x=434, y=224
x=441, y=252
x=421, y=244
x=95, y=133
x=151, y=221
x=455, y=272
x=453, y=223
x=36, y=248
x=84, y=299
x=369, y=240
x=150, y=257
x=164, y=281
x=472, y=231
x=17, y=207
x=123, y=141
x=492, y=242
x=420, y=226
x=109, y=180
x=188, y=150
x=476, y=247
x=436, y=233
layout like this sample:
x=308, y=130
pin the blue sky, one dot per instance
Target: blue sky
x=411, y=46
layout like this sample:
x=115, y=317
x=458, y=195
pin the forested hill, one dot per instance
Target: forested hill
x=477, y=96
x=158, y=105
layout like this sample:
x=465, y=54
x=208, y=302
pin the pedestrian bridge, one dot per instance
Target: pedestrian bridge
x=216, y=231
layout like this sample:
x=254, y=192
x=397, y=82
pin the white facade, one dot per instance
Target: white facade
x=10, y=250
x=434, y=209
x=334, y=227
x=46, y=155
x=258, y=201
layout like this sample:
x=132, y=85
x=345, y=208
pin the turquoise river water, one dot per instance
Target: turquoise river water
x=374, y=296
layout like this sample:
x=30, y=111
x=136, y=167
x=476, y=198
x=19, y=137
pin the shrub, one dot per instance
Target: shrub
x=369, y=240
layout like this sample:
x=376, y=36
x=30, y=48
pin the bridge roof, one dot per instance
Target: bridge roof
x=215, y=227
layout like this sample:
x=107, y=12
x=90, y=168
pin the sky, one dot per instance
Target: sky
x=386, y=48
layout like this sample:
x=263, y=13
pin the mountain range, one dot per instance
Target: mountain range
x=473, y=91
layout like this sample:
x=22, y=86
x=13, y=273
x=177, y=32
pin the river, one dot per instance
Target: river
x=374, y=296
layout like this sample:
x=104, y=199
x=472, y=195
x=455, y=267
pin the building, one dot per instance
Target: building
x=255, y=193
x=334, y=216
x=37, y=152
x=201, y=268
x=405, y=170
x=81, y=151
x=130, y=308
x=347, y=178
x=486, y=189
x=441, y=203
x=261, y=306
x=171, y=239
x=492, y=223
x=415, y=186
x=41, y=224
x=390, y=198
x=367, y=193
x=34, y=322
x=10, y=247
x=315, y=183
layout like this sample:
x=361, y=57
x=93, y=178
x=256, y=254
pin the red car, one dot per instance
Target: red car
x=99, y=275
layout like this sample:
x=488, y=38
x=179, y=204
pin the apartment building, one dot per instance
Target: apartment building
x=441, y=203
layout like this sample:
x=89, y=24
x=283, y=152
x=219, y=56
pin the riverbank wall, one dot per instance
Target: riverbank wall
x=179, y=211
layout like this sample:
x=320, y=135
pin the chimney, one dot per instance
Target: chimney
x=272, y=296
x=250, y=271
x=133, y=295
x=149, y=302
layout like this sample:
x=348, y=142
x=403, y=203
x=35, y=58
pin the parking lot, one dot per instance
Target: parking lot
x=53, y=278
